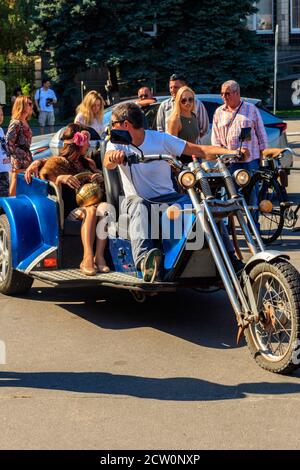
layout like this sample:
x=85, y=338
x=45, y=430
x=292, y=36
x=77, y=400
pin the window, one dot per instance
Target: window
x=262, y=21
x=295, y=16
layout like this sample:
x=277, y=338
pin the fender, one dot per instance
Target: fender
x=268, y=255
x=33, y=220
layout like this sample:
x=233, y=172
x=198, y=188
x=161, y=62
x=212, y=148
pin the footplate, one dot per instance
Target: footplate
x=74, y=277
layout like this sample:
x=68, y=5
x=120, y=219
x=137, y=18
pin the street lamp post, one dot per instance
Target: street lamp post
x=275, y=70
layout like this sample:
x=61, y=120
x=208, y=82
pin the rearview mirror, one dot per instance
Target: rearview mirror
x=245, y=134
x=118, y=136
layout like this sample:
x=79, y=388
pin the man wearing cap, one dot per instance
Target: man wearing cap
x=177, y=81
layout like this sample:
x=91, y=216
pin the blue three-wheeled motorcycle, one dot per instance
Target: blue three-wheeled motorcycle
x=37, y=242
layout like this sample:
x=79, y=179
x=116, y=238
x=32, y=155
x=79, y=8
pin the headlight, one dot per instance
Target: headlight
x=187, y=179
x=242, y=177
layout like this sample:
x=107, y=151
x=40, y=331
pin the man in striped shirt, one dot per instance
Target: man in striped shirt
x=228, y=121
x=231, y=117
x=166, y=107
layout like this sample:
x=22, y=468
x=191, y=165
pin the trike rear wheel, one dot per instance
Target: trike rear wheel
x=11, y=281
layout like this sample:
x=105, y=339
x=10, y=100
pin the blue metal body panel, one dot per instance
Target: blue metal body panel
x=121, y=255
x=33, y=219
x=174, y=244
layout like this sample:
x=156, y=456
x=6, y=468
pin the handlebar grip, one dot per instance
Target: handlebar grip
x=132, y=159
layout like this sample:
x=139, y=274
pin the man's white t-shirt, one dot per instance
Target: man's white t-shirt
x=153, y=179
x=5, y=164
x=41, y=95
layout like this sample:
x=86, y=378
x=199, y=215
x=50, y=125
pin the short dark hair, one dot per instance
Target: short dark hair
x=130, y=112
x=178, y=76
x=45, y=80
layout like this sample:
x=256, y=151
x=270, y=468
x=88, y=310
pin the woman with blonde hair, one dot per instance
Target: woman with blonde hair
x=90, y=111
x=18, y=139
x=183, y=121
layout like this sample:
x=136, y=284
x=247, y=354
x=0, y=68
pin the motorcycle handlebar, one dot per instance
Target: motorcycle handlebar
x=230, y=156
x=134, y=159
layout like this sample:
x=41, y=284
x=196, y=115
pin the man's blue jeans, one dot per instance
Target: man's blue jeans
x=139, y=211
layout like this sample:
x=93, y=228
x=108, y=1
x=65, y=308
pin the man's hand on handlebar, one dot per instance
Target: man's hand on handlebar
x=117, y=157
x=244, y=154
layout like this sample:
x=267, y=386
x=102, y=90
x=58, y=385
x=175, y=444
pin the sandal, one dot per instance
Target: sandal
x=102, y=268
x=87, y=271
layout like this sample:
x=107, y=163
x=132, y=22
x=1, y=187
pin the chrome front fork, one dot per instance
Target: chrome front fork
x=221, y=258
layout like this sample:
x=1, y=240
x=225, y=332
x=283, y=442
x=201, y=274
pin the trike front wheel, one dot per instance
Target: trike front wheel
x=274, y=339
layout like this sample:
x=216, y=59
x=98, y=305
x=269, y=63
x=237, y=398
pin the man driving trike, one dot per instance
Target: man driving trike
x=151, y=183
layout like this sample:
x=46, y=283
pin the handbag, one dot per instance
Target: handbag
x=89, y=193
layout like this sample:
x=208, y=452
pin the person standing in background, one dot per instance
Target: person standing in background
x=90, y=112
x=228, y=121
x=165, y=109
x=145, y=98
x=44, y=99
x=183, y=121
x=18, y=139
x=5, y=165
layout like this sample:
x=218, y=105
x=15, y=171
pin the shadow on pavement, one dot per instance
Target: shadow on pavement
x=203, y=319
x=174, y=389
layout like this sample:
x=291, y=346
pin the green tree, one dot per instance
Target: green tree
x=211, y=43
x=82, y=34
x=16, y=68
x=208, y=41
x=15, y=25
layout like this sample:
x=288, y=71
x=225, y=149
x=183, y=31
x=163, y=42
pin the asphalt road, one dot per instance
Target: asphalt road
x=94, y=370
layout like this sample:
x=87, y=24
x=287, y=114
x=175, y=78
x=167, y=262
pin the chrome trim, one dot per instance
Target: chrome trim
x=39, y=258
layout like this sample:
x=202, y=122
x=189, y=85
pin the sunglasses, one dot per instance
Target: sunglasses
x=117, y=121
x=186, y=100
x=143, y=96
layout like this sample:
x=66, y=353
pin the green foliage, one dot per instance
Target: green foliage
x=16, y=68
x=15, y=25
x=208, y=41
x=17, y=71
x=211, y=44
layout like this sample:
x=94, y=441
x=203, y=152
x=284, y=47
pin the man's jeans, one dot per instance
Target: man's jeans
x=141, y=227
